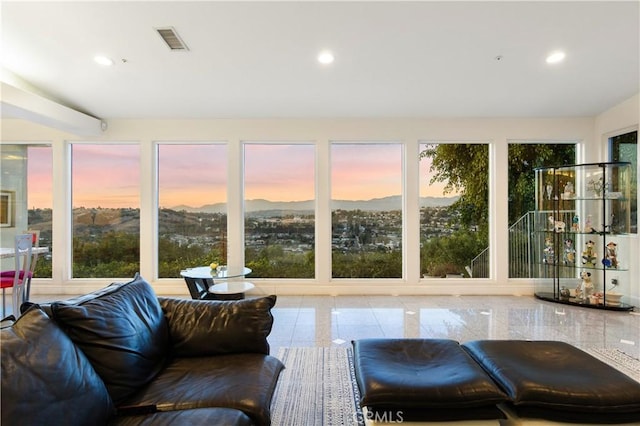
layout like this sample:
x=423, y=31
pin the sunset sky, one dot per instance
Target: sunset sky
x=39, y=182
x=194, y=175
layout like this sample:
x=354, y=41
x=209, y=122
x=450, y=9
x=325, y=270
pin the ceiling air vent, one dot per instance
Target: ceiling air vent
x=173, y=40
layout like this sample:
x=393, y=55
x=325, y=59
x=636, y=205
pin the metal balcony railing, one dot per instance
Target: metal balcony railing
x=522, y=263
x=520, y=251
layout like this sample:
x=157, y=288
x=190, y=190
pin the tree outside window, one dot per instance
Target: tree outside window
x=454, y=209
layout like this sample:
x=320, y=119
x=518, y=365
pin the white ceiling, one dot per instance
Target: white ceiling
x=393, y=59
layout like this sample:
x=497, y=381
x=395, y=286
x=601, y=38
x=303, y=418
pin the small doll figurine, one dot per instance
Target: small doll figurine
x=556, y=225
x=589, y=254
x=575, y=223
x=568, y=190
x=549, y=189
x=588, y=227
x=569, y=255
x=548, y=253
x=611, y=255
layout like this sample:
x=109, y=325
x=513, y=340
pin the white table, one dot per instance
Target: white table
x=6, y=252
x=206, y=273
x=231, y=288
x=201, y=282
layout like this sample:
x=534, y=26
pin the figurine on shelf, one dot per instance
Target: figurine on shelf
x=569, y=256
x=589, y=254
x=599, y=297
x=575, y=223
x=585, y=288
x=611, y=255
x=568, y=191
x=548, y=253
x=597, y=186
x=578, y=292
x=549, y=189
x=588, y=227
x=556, y=225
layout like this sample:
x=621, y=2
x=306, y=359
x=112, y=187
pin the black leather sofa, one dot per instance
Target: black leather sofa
x=123, y=356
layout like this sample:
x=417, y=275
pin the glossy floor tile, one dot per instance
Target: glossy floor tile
x=335, y=321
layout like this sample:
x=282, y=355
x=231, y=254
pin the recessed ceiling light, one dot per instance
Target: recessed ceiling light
x=103, y=60
x=555, y=57
x=325, y=57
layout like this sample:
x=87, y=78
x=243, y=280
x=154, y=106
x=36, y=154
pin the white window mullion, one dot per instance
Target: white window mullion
x=411, y=213
x=498, y=210
x=148, y=210
x=235, y=203
x=323, y=211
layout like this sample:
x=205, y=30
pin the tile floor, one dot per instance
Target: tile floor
x=336, y=320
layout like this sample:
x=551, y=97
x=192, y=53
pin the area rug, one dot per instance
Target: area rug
x=316, y=388
x=619, y=360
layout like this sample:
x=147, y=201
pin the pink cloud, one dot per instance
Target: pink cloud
x=279, y=172
x=192, y=175
x=360, y=172
x=106, y=175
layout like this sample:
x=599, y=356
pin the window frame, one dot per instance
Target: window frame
x=310, y=143
x=635, y=173
x=69, y=202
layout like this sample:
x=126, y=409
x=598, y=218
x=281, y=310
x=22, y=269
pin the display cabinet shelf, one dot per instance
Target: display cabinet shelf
x=580, y=236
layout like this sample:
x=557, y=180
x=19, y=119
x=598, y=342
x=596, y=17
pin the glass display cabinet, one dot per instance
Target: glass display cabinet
x=580, y=235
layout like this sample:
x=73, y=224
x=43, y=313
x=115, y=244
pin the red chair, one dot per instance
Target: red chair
x=34, y=260
x=21, y=275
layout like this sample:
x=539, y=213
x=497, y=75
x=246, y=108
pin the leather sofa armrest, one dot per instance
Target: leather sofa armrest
x=212, y=327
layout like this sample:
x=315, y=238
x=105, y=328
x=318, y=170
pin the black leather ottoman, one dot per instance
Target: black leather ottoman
x=427, y=380
x=558, y=382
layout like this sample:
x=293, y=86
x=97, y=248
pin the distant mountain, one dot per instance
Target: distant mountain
x=377, y=204
x=438, y=201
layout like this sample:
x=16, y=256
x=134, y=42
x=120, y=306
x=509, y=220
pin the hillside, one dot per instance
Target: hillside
x=376, y=204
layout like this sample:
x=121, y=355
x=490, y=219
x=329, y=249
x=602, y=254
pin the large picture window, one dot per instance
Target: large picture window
x=279, y=210
x=366, y=212
x=310, y=210
x=106, y=210
x=524, y=157
x=454, y=211
x=625, y=148
x=27, y=198
x=192, y=206
x=40, y=204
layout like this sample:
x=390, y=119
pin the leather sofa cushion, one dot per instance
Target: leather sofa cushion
x=122, y=330
x=202, y=328
x=46, y=379
x=427, y=375
x=243, y=382
x=557, y=381
x=196, y=417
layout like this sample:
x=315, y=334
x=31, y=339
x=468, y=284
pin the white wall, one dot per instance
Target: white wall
x=587, y=131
